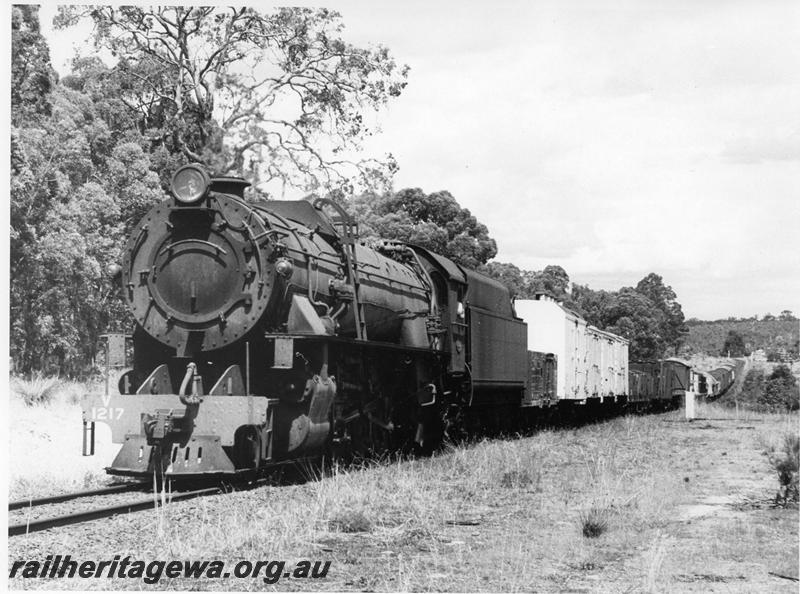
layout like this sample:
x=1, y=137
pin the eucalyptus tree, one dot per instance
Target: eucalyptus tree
x=279, y=96
x=32, y=76
x=673, y=327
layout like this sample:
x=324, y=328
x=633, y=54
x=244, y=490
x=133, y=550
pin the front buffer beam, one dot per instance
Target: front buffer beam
x=161, y=435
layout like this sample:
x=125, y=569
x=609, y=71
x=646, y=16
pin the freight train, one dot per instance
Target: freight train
x=724, y=376
x=713, y=384
x=266, y=332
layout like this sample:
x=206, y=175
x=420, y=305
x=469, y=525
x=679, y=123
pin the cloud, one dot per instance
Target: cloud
x=625, y=85
x=750, y=150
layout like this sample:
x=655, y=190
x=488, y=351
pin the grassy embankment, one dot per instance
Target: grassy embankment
x=45, y=439
x=641, y=503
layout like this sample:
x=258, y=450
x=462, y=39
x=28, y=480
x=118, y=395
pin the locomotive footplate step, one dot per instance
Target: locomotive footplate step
x=199, y=454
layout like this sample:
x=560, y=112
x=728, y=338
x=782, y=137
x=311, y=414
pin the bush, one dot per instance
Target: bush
x=773, y=356
x=777, y=392
x=751, y=392
x=781, y=391
x=787, y=463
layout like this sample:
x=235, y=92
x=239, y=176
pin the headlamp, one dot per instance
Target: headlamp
x=189, y=184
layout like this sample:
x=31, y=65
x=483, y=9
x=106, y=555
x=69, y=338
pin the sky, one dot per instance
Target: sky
x=613, y=139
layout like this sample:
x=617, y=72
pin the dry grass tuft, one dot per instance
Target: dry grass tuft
x=41, y=390
x=516, y=479
x=37, y=391
x=594, y=522
x=350, y=522
x=654, y=560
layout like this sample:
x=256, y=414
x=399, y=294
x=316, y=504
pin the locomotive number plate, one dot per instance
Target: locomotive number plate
x=106, y=413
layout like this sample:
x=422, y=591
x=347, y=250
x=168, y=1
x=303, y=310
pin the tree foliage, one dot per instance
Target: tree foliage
x=434, y=221
x=649, y=315
x=708, y=337
x=776, y=392
x=553, y=280
x=509, y=275
x=634, y=316
x=663, y=297
x=74, y=194
x=734, y=345
x=32, y=77
x=781, y=391
x=278, y=96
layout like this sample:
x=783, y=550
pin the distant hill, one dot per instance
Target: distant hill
x=771, y=335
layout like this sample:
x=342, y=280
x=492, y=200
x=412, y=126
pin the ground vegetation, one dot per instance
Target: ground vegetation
x=641, y=503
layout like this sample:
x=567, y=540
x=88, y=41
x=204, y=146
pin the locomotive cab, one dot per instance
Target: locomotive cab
x=477, y=310
x=450, y=288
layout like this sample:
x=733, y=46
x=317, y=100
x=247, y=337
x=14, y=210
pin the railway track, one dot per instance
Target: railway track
x=29, y=503
x=26, y=516
x=69, y=516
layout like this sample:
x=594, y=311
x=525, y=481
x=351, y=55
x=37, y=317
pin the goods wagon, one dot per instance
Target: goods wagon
x=705, y=384
x=643, y=381
x=591, y=363
x=675, y=379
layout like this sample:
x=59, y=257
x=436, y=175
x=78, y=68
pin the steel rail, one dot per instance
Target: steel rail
x=105, y=512
x=25, y=503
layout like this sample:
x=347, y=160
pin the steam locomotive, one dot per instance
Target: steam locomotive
x=265, y=332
